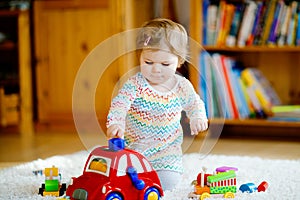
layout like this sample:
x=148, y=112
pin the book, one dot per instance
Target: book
x=205, y=21
x=247, y=23
x=257, y=17
x=258, y=109
x=298, y=27
x=281, y=19
x=260, y=25
x=227, y=15
x=264, y=92
x=202, y=82
x=212, y=11
x=240, y=99
x=220, y=19
x=286, y=111
x=275, y=23
x=209, y=87
x=223, y=95
x=268, y=18
x=235, y=25
x=291, y=36
x=284, y=27
x=228, y=85
x=249, y=104
x=287, y=119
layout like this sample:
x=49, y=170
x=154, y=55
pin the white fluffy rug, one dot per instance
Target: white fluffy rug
x=283, y=176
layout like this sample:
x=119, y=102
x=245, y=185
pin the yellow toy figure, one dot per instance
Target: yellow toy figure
x=52, y=185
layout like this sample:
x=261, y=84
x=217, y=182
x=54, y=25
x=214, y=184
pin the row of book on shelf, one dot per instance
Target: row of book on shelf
x=232, y=91
x=250, y=23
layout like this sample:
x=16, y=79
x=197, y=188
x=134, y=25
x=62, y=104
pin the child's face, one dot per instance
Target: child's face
x=158, y=66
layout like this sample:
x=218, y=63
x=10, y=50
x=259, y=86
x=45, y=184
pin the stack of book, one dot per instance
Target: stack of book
x=286, y=113
x=231, y=91
x=246, y=23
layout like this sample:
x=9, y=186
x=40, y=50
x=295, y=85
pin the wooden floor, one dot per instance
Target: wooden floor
x=15, y=148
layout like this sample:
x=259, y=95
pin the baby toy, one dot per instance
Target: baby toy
x=222, y=182
x=115, y=173
x=251, y=187
x=52, y=185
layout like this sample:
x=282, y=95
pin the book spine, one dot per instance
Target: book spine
x=272, y=35
x=247, y=23
x=205, y=21
x=222, y=88
x=235, y=25
x=291, y=36
x=298, y=27
x=268, y=21
x=211, y=24
x=229, y=87
x=220, y=18
x=284, y=28
x=261, y=24
x=202, y=82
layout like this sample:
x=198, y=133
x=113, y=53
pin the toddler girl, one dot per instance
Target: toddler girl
x=147, y=109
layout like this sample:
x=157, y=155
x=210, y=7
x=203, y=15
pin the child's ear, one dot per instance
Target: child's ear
x=180, y=61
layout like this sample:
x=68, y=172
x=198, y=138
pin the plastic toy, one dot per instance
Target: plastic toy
x=52, y=185
x=115, y=173
x=222, y=182
x=251, y=187
x=248, y=187
x=263, y=187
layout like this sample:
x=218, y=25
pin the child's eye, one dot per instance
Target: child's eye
x=165, y=64
x=148, y=62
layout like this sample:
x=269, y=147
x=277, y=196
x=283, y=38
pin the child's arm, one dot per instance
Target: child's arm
x=195, y=109
x=118, y=110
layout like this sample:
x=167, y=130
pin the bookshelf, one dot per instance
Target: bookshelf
x=280, y=64
x=15, y=72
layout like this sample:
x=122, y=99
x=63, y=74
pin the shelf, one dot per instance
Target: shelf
x=256, y=122
x=259, y=128
x=278, y=63
x=254, y=49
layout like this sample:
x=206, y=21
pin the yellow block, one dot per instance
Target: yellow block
x=53, y=171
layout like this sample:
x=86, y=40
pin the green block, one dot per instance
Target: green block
x=222, y=189
x=51, y=185
x=221, y=176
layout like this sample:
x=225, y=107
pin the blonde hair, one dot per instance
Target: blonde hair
x=164, y=34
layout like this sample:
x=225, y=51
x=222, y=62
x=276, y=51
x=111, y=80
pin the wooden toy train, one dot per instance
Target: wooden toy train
x=223, y=183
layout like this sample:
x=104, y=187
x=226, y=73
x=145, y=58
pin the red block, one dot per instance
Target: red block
x=263, y=187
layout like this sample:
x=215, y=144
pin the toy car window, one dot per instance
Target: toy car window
x=136, y=163
x=147, y=164
x=122, y=166
x=99, y=165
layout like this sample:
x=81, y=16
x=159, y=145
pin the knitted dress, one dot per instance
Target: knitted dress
x=151, y=119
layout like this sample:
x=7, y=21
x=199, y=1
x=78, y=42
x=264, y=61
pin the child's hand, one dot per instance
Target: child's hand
x=115, y=130
x=197, y=125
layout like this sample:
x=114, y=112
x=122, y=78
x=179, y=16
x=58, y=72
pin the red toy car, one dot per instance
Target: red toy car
x=116, y=173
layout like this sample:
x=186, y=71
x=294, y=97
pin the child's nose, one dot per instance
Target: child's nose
x=156, y=67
